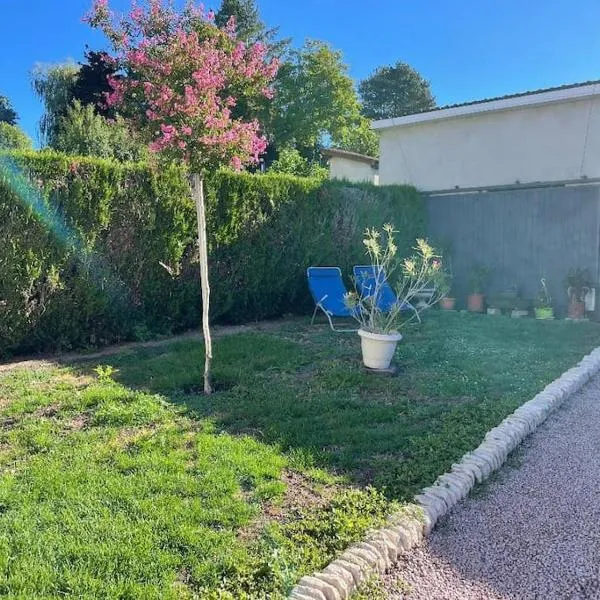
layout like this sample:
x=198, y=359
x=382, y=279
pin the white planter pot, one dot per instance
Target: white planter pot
x=378, y=348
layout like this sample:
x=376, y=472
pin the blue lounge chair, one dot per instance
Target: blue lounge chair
x=328, y=290
x=365, y=278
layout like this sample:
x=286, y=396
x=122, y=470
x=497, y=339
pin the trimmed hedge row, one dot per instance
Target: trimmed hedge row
x=93, y=252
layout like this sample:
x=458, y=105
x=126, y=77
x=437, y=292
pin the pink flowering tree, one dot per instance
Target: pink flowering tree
x=178, y=82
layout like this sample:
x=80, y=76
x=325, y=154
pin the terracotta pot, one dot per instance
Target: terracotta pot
x=576, y=309
x=475, y=302
x=448, y=303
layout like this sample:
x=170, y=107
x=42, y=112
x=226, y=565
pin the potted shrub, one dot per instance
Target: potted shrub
x=380, y=324
x=479, y=277
x=543, y=303
x=578, y=284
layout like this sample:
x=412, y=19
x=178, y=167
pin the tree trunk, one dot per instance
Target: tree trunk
x=198, y=195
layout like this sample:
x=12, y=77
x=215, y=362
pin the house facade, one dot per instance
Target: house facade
x=544, y=136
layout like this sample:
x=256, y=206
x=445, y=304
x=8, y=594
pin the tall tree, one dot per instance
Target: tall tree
x=249, y=27
x=186, y=69
x=54, y=85
x=91, y=84
x=394, y=91
x=7, y=113
x=315, y=100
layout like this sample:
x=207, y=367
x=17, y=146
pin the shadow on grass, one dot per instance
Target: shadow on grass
x=302, y=388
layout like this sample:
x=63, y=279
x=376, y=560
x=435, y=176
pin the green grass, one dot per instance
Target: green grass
x=124, y=482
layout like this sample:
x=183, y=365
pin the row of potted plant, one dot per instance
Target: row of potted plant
x=578, y=284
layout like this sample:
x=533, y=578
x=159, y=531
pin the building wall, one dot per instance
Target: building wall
x=351, y=170
x=552, y=142
x=521, y=234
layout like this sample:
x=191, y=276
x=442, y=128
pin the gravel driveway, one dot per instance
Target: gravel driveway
x=534, y=532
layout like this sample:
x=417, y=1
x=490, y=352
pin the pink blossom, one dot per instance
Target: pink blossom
x=186, y=82
x=268, y=93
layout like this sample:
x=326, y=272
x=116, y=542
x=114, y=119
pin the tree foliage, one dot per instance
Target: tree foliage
x=188, y=74
x=84, y=132
x=394, y=91
x=359, y=138
x=7, y=113
x=13, y=138
x=291, y=162
x=91, y=84
x=54, y=86
x=315, y=99
x=249, y=27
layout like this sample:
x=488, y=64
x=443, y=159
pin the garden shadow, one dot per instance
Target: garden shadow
x=303, y=389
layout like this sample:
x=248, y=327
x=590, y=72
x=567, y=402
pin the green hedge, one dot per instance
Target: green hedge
x=93, y=252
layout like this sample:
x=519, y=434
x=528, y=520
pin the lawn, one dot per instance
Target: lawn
x=121, y=481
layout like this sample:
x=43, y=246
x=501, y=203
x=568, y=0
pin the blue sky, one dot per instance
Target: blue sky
x=467, y=49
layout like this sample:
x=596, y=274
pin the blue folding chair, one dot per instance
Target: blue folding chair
x=328, y=291
x=366, y=277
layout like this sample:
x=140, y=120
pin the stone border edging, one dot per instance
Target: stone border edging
x=404, y=530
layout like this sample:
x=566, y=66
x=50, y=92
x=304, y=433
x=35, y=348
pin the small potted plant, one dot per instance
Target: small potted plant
x=380, y=324
x=448, y=303
x=478, y=278
x=543, y=303
x=578, y=283
x=520, y=308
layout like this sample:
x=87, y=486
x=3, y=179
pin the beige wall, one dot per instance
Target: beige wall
x=553, y=142
x=352, y=170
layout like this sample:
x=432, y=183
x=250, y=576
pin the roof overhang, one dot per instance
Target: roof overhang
x=355, y=156
x=501, y=104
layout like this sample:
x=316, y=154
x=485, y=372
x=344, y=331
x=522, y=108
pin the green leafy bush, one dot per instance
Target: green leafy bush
x=93, y=251
x=13, y=138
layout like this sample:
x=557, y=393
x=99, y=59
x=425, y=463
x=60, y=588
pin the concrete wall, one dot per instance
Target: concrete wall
x=351, y=170
x=522, y=235
x=553, y=142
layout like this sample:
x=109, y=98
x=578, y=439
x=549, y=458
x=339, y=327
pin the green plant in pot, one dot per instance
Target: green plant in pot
x=543, y=303
x=478, y=278
x=380, y=322
x=578, y=283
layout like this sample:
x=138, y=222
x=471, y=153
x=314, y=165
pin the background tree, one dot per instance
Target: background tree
x=7, y=113
x=291, y=162
x=315, y=102
x=76, y=119
x=249, y=27
x=82, y=131
x=185, y=70
x=54, y=86
x=13, y=138
x=395, y=91
x=315, y=99
x=91, y=84
x=359, y=137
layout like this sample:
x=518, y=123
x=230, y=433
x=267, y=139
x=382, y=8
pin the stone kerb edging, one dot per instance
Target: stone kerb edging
x=405, y=530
